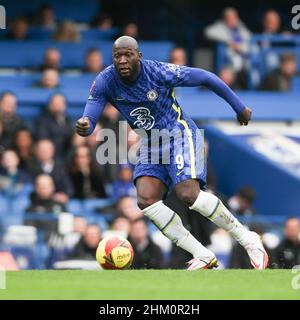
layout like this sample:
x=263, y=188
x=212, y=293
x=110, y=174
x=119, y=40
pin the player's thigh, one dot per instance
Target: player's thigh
x=149, y=191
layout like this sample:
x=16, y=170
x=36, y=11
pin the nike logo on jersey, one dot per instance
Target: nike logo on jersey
x=120, y=99
x=180, y=172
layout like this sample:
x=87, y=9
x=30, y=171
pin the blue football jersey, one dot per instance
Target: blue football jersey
x=149, y=102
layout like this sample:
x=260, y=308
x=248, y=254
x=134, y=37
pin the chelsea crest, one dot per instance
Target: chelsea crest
x=152, y=95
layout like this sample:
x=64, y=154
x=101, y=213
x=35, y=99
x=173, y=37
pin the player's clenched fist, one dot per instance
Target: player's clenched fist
x=244, y=117
x=83, y=126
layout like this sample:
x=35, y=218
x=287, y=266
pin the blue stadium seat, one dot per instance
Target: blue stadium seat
x=12, y=209
x=94, y=205
x=40, y=33
x=296, y=84
x=100, y=219
x=3, y=209
x=29, y=112
x=96, y=34
x=29, y=80
x=75, y=10
x=75, y=206
x=30, y=54
x=25, y=257
x=12, y=81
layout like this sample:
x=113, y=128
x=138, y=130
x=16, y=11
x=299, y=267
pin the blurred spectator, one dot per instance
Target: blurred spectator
x=86, y=179
x=76, y=141
x=51, y=60
x=109, y=120
x=46, y=17
x=271, y=22
x=178, y=56
x=55, y=125
x=147, y=255
x=228, y=75
x=124, y=186
x=231, y=31
x=287, y=254
x=43, y=201
x=62, y=245
x=24, y=147
x=122, y=224
x=93, y=61
x=131, y=30
x=18, y=29
x=106, y=170
x=92, y=141
x=127, y=207
x=87, y=245
x=280, y=79
x=45, y=162
x=66, y=32
x=102, y=21
x=49, y=79
x=241, y=202
x=80, y=225
x=10, y=122
x=12, y=179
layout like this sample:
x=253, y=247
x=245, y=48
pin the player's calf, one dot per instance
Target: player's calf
x=213, y=208
x=170, y=224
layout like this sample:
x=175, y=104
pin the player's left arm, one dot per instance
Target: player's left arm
x=173, y=75
x=199, y=77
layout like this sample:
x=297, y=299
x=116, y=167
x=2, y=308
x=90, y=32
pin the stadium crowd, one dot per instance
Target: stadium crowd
x=48, y=164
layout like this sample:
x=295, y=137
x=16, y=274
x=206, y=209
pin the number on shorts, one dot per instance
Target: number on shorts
x=179, y=161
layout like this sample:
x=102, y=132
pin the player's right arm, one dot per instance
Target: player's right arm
x=93, y=108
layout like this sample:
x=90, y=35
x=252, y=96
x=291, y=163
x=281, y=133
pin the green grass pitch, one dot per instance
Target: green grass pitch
x=150, y=284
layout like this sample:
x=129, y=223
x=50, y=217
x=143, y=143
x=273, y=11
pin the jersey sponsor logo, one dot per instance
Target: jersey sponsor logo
x=152, y=95
x=144, y=119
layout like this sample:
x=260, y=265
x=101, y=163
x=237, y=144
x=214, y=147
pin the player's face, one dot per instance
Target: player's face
x=127, y=62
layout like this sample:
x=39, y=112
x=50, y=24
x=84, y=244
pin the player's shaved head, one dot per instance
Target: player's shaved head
x=126, y=42
x=126, y=58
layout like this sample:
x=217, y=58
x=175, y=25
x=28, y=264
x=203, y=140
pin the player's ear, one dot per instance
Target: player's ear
x=140, y=55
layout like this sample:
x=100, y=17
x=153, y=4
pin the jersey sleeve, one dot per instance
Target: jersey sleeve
x=181, y=76
x=173, y=75
x=95, y=102
x=200, y=77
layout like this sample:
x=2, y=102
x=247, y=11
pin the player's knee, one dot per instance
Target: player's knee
x=188, y=196
x=146, y=201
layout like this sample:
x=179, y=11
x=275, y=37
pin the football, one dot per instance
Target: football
x=114, y=252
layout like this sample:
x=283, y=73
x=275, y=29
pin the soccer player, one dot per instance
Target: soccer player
x=143, y=92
